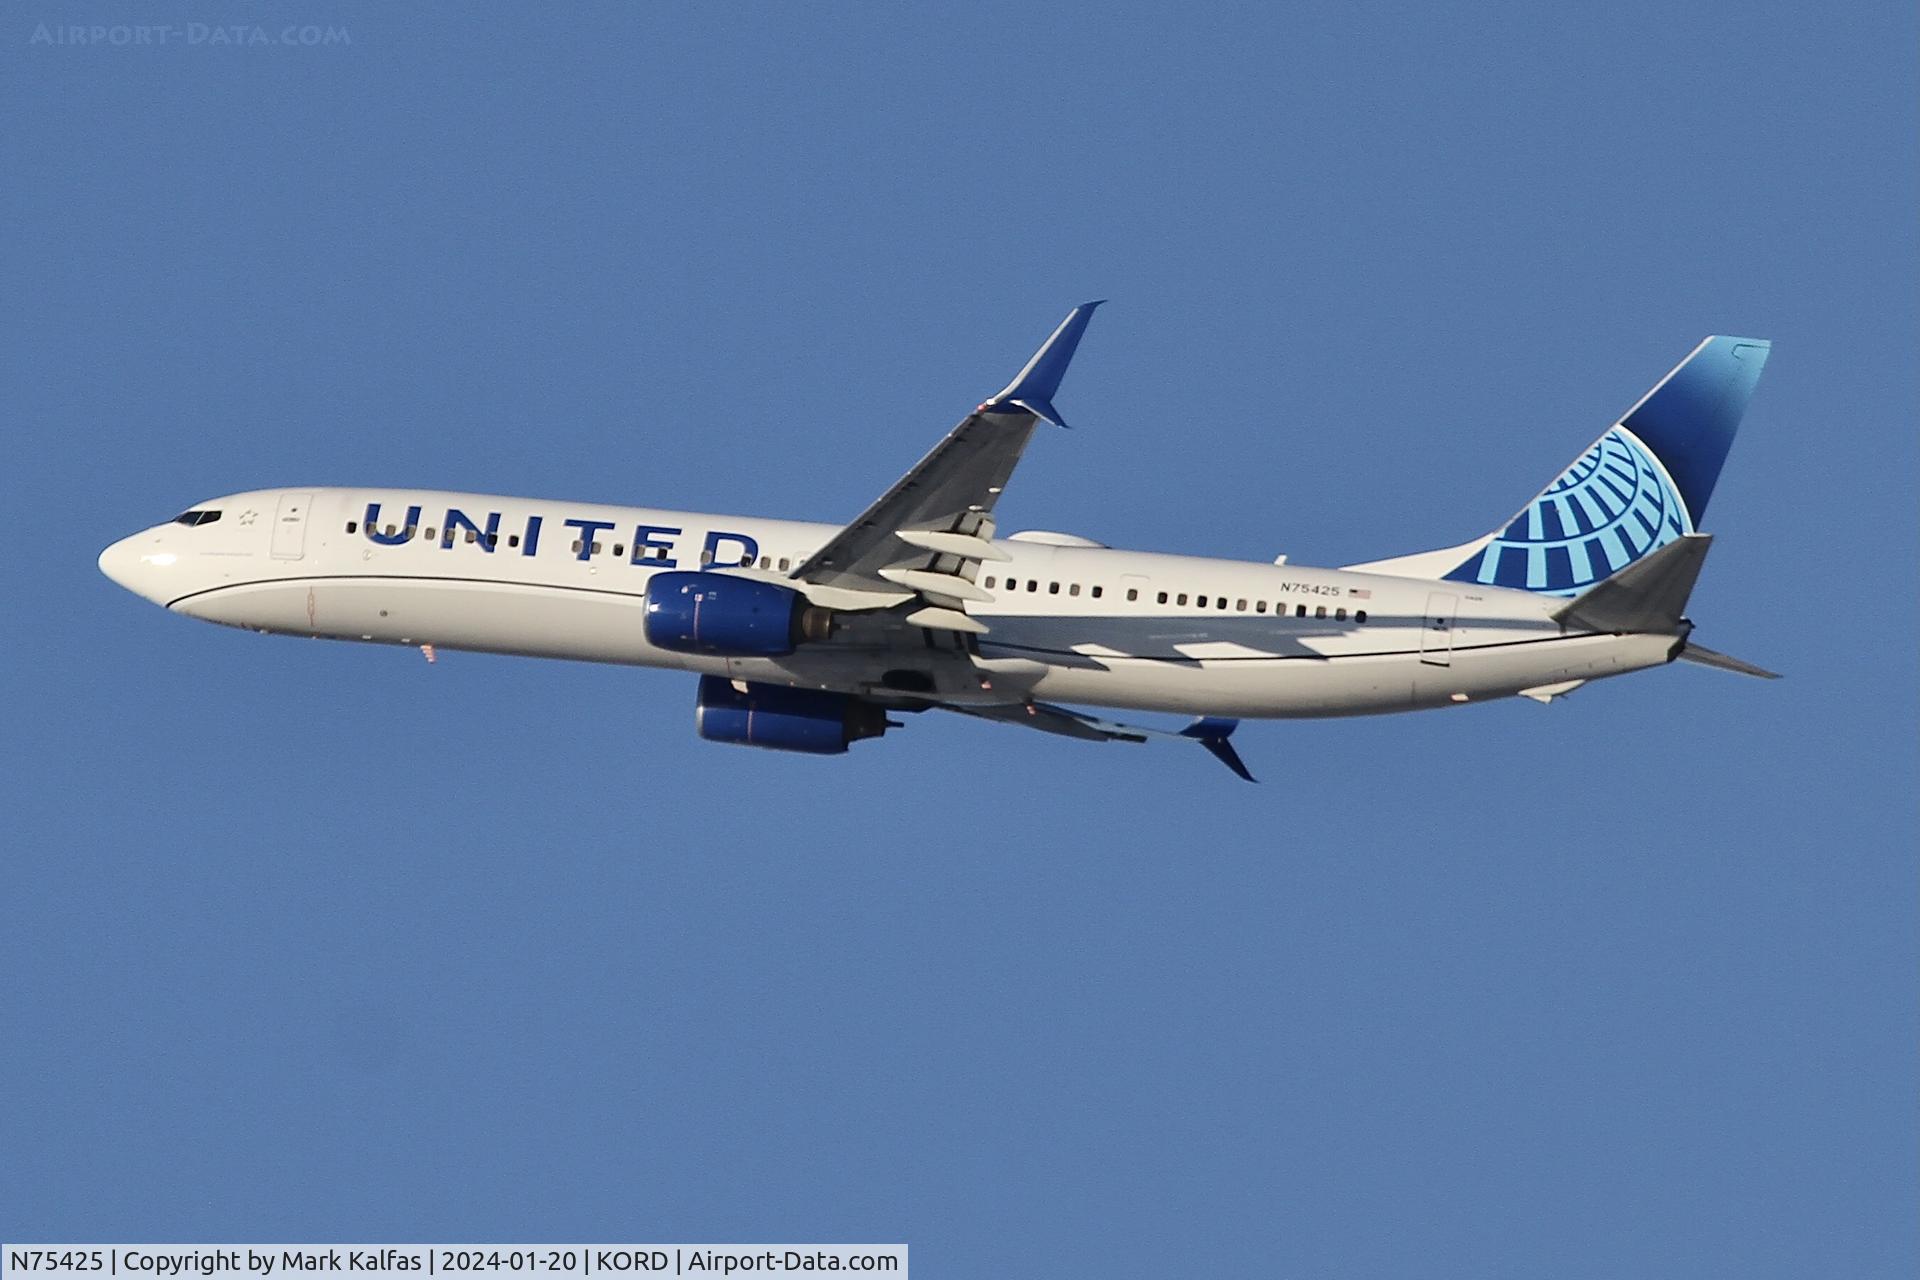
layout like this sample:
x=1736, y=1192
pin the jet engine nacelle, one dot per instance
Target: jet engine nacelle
x=771, y=715
x=716, y=613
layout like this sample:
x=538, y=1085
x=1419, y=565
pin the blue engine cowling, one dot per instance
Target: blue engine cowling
x=771, y=715
x=715, y=613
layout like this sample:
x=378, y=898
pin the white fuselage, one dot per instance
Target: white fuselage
x=1068, y=623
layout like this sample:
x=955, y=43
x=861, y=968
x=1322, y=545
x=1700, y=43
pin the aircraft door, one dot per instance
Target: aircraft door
x=290, y=526
x=1436, y=634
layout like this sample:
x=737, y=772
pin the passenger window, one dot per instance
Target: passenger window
x=429, y=535
x=706, y=557
x=1181, y=598
x=473, y=536
x=1222, y=604
x=1320, y=612
x=784, y=564
x=1163, y=597
x=619, y=549
x=513, y=540
x=596, y=548
x=989, y=584
x=1201, y=601
x=1097, y=591
x=576, y=546
x=353, y=526
x=1074, y=590
x=1259, y=606
x=1240, y=606
x=1339, y=615
x=391, y=530
x=493, y=540
x=1053, y=588
x=766, y=562
x=1133, y=593
x=1361, y=616
x=1033, y=584
x=1299, y=611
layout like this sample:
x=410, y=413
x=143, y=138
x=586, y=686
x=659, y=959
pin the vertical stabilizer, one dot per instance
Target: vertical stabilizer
x=1638, y=488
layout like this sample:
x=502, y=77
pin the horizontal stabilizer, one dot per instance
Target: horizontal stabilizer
x=1648, y=595
x=1726, y=662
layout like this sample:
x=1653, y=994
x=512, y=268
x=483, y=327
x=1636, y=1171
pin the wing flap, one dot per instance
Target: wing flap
x=929, y=583
x=965, y=546
x=935, y=618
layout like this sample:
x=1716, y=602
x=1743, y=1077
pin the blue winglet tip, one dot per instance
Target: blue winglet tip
x=1033, y=388
x=1041, y=409
x=1213, y=733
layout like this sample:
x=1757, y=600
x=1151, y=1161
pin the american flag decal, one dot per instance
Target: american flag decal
x=1360, y=593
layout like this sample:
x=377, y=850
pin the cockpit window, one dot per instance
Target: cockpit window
x=196, y=517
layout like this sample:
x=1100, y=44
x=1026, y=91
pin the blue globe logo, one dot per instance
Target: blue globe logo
x=1612, y=506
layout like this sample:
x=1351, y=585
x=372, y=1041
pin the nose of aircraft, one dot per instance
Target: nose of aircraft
x=118, y=561
x=134, y=563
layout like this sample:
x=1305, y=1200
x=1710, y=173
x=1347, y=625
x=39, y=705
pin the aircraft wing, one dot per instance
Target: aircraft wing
x=1210, y=732
x=927, y=534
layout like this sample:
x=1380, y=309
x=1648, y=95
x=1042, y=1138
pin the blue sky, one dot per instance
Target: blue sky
x=313, y=941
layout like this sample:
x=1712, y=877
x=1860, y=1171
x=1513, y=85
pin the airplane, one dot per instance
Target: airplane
x=810, y=637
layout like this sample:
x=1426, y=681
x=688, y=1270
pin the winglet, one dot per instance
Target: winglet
x=1213, y=732
x=1032, y=390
